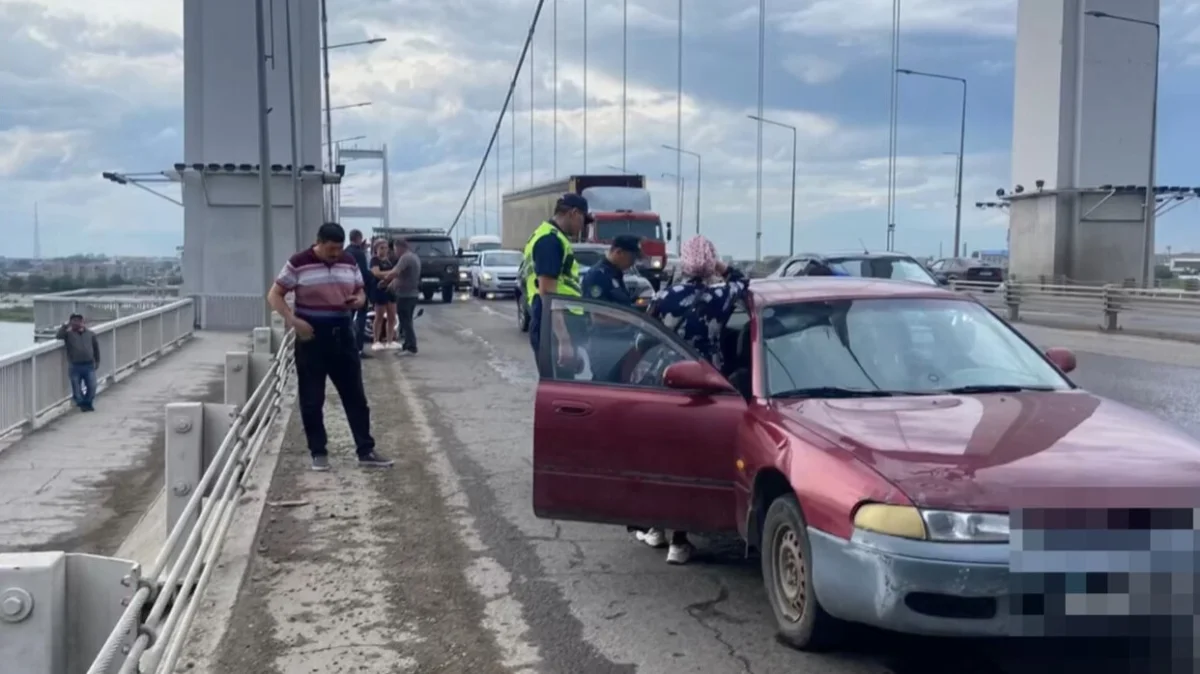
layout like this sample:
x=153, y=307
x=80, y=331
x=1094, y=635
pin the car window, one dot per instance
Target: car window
x=620, y=348
x=588, y=257
x=895, y=268
x=906, y=345
x=501, y=259
x=432, y=247
x=794, y=268
x=937, y=266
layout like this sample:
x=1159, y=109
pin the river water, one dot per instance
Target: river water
x=15, y=336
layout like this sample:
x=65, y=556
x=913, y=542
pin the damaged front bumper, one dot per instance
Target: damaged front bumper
x=916, y=587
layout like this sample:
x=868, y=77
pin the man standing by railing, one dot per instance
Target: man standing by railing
x=328, y=288
x=83, y=358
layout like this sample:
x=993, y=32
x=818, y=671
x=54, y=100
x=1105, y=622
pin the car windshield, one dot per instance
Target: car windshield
x=895, y=268
x=588, y=258
x=900, y=346
x=502, y=259
x=485, y=246
x=432, y=247
x=606, y=230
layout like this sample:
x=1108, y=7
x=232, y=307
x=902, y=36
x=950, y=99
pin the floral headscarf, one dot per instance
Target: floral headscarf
x=698, y=258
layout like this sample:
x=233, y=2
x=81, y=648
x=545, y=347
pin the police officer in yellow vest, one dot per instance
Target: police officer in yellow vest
x=555, y=270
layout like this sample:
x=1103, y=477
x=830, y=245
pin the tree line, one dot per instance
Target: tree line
x=36, y=283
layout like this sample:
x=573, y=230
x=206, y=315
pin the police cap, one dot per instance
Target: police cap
x=628, y=243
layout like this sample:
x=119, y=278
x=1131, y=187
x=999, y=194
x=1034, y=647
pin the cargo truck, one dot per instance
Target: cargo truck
x=619, y=204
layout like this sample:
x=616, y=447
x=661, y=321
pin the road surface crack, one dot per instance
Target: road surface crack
x=703, y=611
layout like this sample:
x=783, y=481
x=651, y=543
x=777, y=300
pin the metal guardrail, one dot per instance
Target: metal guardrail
x=150, y=635
x=1109, y=303
x=99, y=304
x=33, y=381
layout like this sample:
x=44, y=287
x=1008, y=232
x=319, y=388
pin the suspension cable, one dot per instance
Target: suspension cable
x=537, y=12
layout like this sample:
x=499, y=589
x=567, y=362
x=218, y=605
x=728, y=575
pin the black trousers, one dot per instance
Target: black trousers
x=332, y=353
x=360, y=328
x=405, y=307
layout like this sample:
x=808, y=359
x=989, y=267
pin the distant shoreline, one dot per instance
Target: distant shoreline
x=16, y=314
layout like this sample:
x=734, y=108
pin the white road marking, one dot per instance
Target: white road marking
x=503, y=615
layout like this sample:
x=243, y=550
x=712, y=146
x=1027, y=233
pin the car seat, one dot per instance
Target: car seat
x=741, y=373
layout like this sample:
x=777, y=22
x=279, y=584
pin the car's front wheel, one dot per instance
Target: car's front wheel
x=522, y=315
x=787, y=569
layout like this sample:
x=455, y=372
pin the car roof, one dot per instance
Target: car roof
x=818, y=288
x=858, y=254
x=591, y=246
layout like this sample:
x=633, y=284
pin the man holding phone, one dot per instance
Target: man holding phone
x=328, y=288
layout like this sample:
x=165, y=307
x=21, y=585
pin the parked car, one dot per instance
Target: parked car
x=494, y=272
x=868, y=438
x=439, y=262
x=974, y=271
x=586, y=254
x=896, y=266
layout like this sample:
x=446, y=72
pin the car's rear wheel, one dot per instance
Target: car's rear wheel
x=787, y=569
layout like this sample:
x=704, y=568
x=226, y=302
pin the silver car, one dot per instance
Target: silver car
x=494, y=273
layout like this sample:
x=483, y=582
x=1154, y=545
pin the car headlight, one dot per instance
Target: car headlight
x=933, y=525
x=486, y=276
x=656, y=262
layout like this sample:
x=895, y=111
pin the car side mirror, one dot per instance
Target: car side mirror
x=668, y=231
x=941, y=279
x=695, y=376
x=1063, y=359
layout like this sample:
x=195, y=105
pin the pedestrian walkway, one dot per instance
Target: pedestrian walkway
x=81, y=483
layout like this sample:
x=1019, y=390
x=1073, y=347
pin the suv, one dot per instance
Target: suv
x=439, y=262
x=895, y=266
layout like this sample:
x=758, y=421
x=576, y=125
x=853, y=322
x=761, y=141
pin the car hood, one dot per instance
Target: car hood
x=501, y=270
x=995, y=452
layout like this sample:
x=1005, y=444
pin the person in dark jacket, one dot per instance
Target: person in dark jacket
x=608, y=338
x=358, y=251
x=83, y=359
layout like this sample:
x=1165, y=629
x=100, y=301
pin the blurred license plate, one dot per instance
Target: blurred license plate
x=985, y=273
x=429, y=279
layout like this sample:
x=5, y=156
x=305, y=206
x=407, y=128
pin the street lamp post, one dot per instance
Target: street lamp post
x=681, y=151
x=264, y=156
x=339, y=141
x=682, y=185
x=962, y=141
x=1149, y=206
x=792, y=238
x=364, y=104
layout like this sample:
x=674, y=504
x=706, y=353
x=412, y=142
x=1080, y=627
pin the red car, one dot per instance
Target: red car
x=868, y=437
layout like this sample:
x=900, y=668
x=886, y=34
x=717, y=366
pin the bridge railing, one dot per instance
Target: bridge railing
x=98, y=304
x=1176, y=312
x=105, y=615
x=34, y=382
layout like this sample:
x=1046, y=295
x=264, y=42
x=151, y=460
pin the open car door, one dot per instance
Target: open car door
x=634, y=428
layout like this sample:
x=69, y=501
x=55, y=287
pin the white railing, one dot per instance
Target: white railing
x=98, y=304
x=1112, y=305
x=152, y=631
x=33, y=381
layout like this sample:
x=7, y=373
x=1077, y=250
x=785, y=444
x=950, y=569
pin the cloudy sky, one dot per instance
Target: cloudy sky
x=93, y=85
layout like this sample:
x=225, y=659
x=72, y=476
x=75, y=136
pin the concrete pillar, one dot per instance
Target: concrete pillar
x=1082, y=114
x=222, y=232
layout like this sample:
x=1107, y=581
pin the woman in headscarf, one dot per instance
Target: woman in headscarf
x=696, y=307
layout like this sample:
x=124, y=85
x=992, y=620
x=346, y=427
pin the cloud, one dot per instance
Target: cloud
x=92, y=85
x=811, y=69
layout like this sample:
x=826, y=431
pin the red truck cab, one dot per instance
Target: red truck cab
x=646, y=225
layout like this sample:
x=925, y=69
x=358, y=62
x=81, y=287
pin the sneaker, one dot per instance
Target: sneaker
x=655, y=538
x=377, y=346
x=393, y=346
x=320, y=464
x=374, y=460
x=680, y=554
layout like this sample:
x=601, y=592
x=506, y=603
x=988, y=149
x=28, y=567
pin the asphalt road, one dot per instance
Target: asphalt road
x=454, y=543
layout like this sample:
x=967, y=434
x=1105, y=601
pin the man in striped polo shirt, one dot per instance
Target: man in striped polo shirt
x=327, y=288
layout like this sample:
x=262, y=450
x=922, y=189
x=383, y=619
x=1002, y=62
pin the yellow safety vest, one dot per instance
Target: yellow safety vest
x=568, y=278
